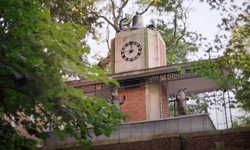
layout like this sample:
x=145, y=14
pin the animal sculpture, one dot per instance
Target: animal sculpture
x=115, y=100
x=182, y=99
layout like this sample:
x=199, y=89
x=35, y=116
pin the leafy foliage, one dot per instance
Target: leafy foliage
x=10, y=139
x=36, y=51
x=242, y=121
x=231, y=71
x=201, y=104
x=177, y=48
x=79, y=12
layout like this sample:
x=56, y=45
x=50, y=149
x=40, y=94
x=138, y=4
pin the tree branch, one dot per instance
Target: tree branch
x=175, y=29
x=109, y=22
x=185, y=28
x=104, y=62
x=107, y=38
x=113, y=8
x=145, y=10
x=125, y=2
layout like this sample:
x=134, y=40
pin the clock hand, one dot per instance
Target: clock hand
x=131, y=48
x=130, y=51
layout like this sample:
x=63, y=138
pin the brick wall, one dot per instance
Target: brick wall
x=155, y=144
x=162, y=52
x=135, y=105
x=165, y=113
x=232, y=139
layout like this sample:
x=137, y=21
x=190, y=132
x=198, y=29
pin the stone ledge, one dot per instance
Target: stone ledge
x=150, y=130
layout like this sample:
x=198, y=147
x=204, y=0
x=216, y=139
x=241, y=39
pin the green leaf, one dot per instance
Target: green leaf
x=98, y=131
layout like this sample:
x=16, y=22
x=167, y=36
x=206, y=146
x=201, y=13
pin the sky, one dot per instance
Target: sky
x=203, y=20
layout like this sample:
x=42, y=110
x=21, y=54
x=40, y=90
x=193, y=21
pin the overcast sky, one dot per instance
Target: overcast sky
x=203, y=20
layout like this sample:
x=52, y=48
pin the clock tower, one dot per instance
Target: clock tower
x=138, y=48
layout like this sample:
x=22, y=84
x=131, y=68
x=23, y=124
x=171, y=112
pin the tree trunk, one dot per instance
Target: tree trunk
x=104, y=62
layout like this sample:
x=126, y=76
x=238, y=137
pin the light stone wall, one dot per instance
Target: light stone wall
x=153, y=50
x=156, y=50
x=120, y=65
x=153, y=108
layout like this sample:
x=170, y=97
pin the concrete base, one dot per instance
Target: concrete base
x=142, y=130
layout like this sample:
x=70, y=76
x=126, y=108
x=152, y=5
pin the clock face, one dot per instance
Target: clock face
x=131, y=51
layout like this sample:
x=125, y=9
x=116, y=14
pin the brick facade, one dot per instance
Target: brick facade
x=162, y=52
x=135, y=104
x=165, y=113
x=155, y=144
x=232, y=139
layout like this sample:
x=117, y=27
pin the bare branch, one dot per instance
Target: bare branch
x=125, y=2
x=184, y=14
x=107, y=38
x=193, y=39
x=120, y=10
x=116, y=17
x=145, y=10
x=109, y=22
x=175, y=29
x=113, y=8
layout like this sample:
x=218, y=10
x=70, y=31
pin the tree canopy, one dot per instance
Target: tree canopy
x=231, y=70
x=38, y=47
x=42, y=41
